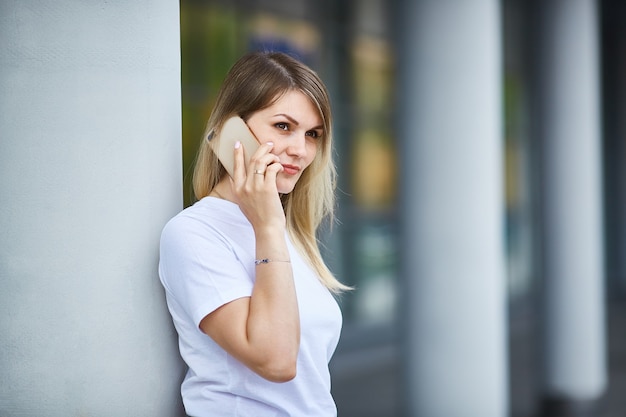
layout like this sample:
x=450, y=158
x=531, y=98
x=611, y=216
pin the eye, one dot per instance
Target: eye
x=314, y=134
x=282, y=126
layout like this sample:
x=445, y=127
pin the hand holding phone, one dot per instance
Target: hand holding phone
x=223, y=143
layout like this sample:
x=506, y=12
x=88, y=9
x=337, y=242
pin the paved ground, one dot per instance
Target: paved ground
x=367, y=385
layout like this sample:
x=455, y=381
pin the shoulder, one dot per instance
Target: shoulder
x=182, y=227
x=208, y=223
x=206, y=214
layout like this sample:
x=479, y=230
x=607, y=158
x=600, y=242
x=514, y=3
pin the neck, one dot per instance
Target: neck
x=222, y=190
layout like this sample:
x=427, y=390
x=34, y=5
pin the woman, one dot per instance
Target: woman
x=248, y=291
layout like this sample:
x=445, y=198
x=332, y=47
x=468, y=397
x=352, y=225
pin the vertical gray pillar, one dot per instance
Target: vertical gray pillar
x=574, y=371
x=90, y=170
x=449, y=123
x=618, y=145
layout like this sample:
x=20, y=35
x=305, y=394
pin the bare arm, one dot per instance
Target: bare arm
x=263, y=330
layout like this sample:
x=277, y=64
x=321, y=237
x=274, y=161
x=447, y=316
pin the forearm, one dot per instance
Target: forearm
x=273, y=325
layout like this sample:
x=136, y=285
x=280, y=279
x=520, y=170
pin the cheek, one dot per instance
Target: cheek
x=312, y=150
x=262, y=135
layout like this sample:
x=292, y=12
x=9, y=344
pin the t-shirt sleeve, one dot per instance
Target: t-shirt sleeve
x=200, y=268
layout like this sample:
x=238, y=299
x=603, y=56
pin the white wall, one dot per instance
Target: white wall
x=90, y=170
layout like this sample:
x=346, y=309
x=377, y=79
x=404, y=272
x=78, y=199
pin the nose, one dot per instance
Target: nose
x=297, y=145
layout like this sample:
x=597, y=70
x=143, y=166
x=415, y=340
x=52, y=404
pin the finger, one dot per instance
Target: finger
x=261, y=159
x=239, y=166
x=272, y=171
x=263, y=149
x=269, y=171
x=260, y=172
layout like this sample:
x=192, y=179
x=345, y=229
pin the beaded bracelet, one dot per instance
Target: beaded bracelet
x=266, y=261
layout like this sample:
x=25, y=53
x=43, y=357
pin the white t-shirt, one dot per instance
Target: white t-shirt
x=207, y=260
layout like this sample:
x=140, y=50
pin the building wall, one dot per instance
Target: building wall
x=90, y=170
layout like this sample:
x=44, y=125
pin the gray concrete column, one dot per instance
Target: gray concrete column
x=574, y=357
x=617, y=144
x=90, y=170
x=450, y=138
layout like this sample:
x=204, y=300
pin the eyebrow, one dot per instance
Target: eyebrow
x=295, y=122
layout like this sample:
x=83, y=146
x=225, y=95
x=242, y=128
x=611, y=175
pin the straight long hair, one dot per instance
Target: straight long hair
x=255, y=82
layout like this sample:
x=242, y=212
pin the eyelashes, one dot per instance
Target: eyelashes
x=285, y=128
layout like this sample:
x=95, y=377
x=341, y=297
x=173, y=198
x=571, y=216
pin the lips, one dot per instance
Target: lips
x=291, y=169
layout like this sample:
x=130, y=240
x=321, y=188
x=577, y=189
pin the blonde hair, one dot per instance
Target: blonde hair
x=254, y=82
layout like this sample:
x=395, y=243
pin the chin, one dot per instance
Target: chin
x=285, y=187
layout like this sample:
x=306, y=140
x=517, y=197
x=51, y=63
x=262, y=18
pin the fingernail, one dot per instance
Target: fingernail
x=270, y=143
x=237, y=145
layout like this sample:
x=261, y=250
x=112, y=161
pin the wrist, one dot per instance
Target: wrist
x=268, y=260
x=269, y=231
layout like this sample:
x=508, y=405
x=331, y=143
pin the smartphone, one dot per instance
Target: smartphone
x=223, y=143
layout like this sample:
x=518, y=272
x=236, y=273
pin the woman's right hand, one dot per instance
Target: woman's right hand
x=254, y=187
